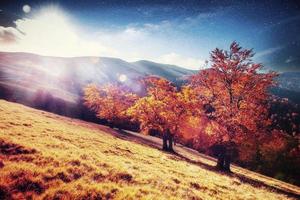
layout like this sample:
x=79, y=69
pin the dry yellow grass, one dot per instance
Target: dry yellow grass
x=46, y=156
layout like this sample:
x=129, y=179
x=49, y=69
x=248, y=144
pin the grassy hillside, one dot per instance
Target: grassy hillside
x=44, y=155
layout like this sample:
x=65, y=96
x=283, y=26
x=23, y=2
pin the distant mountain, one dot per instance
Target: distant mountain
x=170, y=72
x=288, y=86
x=28, y=78
x=64, y=77
x=289, y=81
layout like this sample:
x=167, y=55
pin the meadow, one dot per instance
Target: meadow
x=47, y=156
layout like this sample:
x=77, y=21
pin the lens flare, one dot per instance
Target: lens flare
x=122, y=78
x=26, y=9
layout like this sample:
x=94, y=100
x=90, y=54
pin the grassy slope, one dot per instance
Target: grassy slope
x=47, y=156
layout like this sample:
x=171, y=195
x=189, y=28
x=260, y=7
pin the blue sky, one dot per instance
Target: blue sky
x=173, y=32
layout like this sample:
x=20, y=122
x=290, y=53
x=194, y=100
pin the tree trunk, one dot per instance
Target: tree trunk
x=221, y=156
x=220, y=163
x=118, y=126
x=165, y=140
x=111, y=125
x=170, y=139
x=224, y=157
x=227, y=161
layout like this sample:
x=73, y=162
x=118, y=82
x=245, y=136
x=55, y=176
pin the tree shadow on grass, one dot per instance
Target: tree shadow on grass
x=144, y=140
x=241, y=177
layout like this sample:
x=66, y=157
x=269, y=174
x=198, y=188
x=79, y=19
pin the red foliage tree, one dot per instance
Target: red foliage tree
x=235, y=95
x=109, y=101
x=163, y=108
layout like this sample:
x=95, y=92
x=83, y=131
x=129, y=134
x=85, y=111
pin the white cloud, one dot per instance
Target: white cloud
x=268, y=51
x=8, y=35
x=290, y=59
x=187, y=62
x=163, y=25
x=202, y=16
x=51, y=32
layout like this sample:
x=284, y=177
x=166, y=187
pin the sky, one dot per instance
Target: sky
x=179, y=32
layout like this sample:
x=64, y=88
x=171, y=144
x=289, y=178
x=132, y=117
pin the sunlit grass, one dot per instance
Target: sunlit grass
x=48, y=156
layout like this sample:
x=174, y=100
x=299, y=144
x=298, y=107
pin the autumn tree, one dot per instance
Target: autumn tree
x=163, y=108
x=109, y=101
x=235, y=95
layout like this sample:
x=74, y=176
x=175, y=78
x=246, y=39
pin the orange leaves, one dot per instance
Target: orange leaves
x=153, y=110
x=164, y=107
x=158, y=87
x=149, y=112
x=92, y=97
x=109, y=101
x=235, y=88
x=161, y=109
